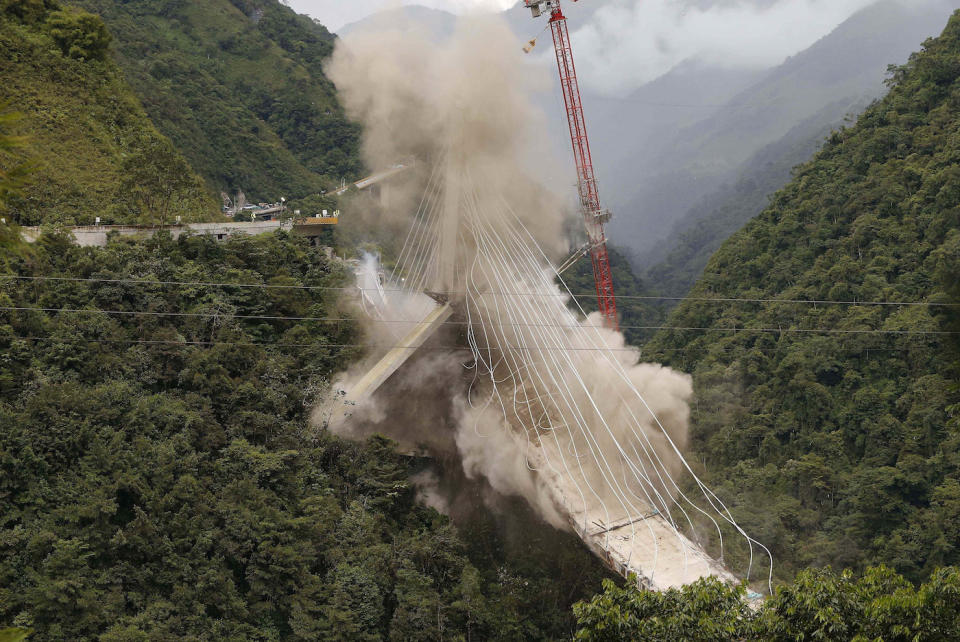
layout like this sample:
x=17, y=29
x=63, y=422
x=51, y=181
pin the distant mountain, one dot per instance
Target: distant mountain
x=238, y=86
x=699, y=233
x=674, y=169
x=630, y=134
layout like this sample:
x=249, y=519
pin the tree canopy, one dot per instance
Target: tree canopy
x=819, y=605
x=79, y=34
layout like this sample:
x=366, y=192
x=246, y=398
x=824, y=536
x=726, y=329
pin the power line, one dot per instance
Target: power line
x=262, y=286
x=255, y=317
x=280, y=344
x=655, y=355
x=584, y=295
x=320, y=345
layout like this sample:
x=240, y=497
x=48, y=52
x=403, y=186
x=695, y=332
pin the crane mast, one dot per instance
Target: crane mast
x=594, y=215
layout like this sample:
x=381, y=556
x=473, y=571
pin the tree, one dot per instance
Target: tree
x=28, y=11
x=705, y=611
x=419, y=611
x=818, y=605
x=79, y=34
x=948, y=268
x=158, y=183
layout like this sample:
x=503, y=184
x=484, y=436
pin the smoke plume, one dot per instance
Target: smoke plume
x=539, y=401
x=465, y=104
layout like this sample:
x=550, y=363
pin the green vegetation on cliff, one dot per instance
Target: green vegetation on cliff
x=82, y=125
x=833, y=435
x=238, y=87
x=14, y=175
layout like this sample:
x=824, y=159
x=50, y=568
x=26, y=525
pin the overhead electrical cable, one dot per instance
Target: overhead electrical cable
x=583, y=295
x=262, y=317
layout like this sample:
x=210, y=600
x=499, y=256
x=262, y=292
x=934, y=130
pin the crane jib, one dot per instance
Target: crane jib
x=593, y=213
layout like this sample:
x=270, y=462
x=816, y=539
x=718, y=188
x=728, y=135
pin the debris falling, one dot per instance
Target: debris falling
x=541, y=401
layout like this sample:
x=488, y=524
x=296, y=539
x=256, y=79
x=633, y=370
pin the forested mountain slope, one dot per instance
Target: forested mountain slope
x=159, y=479
x=833, y=428
x=95, y=150
x=238, y=86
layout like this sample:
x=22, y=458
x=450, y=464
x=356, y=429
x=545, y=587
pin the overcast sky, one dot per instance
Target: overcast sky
x=627, y=43
x=631, y=42
x=333, y=14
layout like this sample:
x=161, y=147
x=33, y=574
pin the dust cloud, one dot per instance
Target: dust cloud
x=564, y=428
x=463, y=109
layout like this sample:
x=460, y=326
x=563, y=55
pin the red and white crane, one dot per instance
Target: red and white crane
x=594, y=215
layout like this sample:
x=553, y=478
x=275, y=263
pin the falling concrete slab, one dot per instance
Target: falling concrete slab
x=350, y=394
x=650, y=548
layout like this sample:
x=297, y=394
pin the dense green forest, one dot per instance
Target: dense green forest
x=238, y=87
x=95, y=151
x=833, y=428
x=159, y=478
x=819, y=605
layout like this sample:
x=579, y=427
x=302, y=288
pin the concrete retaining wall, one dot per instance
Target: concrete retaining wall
x=96, y=235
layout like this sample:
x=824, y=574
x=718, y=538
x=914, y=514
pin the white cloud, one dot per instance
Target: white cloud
x=334, y=14
x=631, y=42
x=627, y=43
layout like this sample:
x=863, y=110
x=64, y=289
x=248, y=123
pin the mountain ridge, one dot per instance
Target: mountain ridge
x=680, y=168
x=84, y=127
x=238, y=86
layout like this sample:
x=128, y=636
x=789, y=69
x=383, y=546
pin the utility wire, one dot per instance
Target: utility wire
x=255, y=317
x=585, y=295
x=281, y=344
x=314, y=345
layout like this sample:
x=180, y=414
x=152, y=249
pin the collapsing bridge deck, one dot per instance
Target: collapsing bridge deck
x=664, y=559
x=660, y=560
